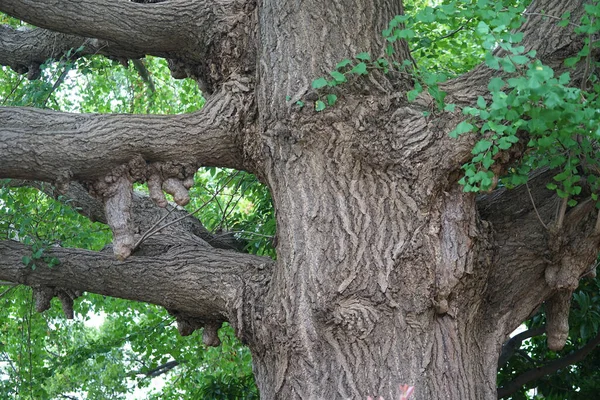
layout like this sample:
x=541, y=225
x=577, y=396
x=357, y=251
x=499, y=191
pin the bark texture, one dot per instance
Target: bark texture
x=386, y=272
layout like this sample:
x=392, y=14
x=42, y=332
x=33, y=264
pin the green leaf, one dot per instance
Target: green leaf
x=38, y=254
x=520, y=60
x=338, y=76
x=319, y=105
x=491, y=61
x=343, y=63
x=507, y=65
x=496, y=84
x=412, y=95
x=571, y=61
x=363, y=56
x=481, y=102
x=564, y=79
x=26, y=260
x=449, y=107
x=319, y=83
x=564, y=19
x=461, y=128
x=482, y=28
x=481, y=146
x=360, y=69
x=331, y=99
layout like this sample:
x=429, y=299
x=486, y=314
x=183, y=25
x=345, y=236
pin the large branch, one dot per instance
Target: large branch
x=157, y=28
x=513, y=344
x=205, y=284
x=208, y=40
x=25, y=49
x=145, y=214
x=54, y=146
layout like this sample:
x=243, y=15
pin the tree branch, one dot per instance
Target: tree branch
x=205, y=283
x=156, y=28
x=144, y=212
x=209, y=40
x=543, y=263
x=54, y=146
x=553, y=44
x=511, y=345
x=25, y=49
x=161, y=369
x=549, y=368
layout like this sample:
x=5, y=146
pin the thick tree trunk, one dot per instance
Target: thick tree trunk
x=375, y=286
x=377, y=282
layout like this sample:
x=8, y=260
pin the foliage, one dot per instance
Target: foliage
x=578, y=381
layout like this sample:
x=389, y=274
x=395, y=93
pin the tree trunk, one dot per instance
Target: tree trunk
x=376, y=285
x=371, y=248
x=386, y=273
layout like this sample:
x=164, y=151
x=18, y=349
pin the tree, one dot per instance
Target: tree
x=388, y=270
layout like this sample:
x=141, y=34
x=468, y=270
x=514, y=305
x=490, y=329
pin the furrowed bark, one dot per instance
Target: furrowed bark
x=198, y=282
x=54, y=146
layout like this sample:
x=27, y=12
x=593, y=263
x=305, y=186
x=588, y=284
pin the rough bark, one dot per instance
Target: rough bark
x=386, y=272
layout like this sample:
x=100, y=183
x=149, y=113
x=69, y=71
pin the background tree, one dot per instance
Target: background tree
x=388, y=271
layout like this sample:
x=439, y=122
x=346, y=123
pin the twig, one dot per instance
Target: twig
x=152, y=232
x=14, y=285
x=59, y=81
x=534, y=207
x=149, y=231
x=550, y=16
x=14, y=89
x=144, y=73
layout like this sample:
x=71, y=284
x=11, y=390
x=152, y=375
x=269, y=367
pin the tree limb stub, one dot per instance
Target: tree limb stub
x=54, y=146
x=557, y=316
x=199, y=282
